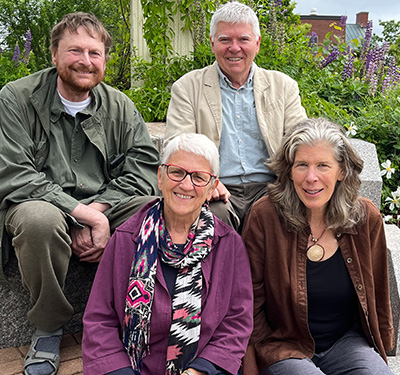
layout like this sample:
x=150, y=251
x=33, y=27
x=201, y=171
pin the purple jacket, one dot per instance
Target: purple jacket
x=227, y=305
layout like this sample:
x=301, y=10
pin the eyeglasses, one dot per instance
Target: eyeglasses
x=178, y=174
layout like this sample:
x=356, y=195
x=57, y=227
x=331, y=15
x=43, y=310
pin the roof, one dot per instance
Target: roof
x=319, y=17
x=354, y=31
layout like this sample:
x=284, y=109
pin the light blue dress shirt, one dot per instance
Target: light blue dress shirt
x=242, y=148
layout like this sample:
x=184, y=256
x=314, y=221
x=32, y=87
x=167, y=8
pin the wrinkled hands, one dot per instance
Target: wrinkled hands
x=88, y=244
x=221, y=193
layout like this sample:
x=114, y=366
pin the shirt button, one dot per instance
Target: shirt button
x=76, y=160
x=349, y=260
x=216, y=137
x=359, y=287
x=81, y=185
x=238, y=116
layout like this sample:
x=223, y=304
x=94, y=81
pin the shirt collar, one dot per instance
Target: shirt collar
x=225, y=80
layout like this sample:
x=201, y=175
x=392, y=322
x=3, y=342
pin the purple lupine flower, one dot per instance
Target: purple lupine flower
x=348, y=66
x=392, y=75
x=17, y=54
x=367, y=40
x=278, y=3
x=27, y=47
x=330, y=58
x=343, y=21
x=388, y=78
x=373, y=84
x=371, y=65
x=313, y=39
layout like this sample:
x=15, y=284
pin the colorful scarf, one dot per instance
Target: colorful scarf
x=186, y=302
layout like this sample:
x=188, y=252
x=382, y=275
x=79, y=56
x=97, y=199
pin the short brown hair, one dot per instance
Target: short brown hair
x=72, y=21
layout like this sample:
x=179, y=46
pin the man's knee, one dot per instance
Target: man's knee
x=36, y=222
x=35, y=217
x=226, y=213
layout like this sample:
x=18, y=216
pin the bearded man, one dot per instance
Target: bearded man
x=76, y=161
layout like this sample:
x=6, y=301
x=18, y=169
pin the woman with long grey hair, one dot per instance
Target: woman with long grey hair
x=319, y=263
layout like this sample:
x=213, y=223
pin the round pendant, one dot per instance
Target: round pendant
x=315, y=253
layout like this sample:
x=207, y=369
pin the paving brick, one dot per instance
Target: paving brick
x=12, y=367
x=12, y=359
x=10, y=354
x=71, y=352
x=71, y=367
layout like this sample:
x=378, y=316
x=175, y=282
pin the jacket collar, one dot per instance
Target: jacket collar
x=46, y=99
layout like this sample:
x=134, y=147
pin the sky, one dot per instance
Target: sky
x=384, y=10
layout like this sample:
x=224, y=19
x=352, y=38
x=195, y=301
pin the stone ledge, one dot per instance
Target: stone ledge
x=14, y=327
x=392, y=233
x=157, y=131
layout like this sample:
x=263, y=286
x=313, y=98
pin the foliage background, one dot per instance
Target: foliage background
x=355, y=86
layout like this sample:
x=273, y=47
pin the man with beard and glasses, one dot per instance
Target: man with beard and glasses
x=76, y=161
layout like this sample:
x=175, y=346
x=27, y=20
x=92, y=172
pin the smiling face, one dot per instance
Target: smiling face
x=183, y=200
x=314, y=173
x=235, y=47
x=81, y=63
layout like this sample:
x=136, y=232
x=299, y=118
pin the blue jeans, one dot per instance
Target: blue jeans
x=350, y=355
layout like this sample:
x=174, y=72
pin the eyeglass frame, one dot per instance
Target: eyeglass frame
x=188, y=173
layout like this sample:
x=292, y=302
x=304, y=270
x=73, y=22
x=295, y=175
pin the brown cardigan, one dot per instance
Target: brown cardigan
x=278, y=265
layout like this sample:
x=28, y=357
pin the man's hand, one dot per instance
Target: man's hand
x=88, y=244
x=221, y=193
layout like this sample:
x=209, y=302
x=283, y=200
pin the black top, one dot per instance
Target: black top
x=332, y=301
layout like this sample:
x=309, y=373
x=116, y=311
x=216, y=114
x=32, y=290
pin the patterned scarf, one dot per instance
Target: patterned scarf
x=186, y=302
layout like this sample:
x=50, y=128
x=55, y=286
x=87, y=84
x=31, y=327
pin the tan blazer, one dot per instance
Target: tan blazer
x=195, y=105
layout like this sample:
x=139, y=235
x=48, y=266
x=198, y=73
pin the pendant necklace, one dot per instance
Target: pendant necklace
x=316, y=252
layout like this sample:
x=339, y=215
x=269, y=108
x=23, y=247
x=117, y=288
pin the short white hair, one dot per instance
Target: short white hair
x=197, y=144
x=235, y=12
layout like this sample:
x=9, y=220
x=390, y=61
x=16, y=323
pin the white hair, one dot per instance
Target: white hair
x=235, y=12
x=197, y=144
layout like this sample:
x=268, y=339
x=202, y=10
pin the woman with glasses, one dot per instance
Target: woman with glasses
x=172, y=294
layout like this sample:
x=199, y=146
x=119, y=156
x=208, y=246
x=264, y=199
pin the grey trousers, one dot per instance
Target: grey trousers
x=41, y=240
x=350, y=355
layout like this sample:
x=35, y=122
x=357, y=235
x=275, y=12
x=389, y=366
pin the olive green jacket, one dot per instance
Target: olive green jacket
x=116, y=127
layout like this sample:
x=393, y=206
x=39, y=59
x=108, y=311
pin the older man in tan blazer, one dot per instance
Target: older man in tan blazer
x=244, y=109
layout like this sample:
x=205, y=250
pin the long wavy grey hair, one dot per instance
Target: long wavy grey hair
x=344, y=209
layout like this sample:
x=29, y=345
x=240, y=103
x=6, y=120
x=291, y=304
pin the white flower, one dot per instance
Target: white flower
x=351, y=129
x=394, y=200
x=388, y=218
x=388, y=170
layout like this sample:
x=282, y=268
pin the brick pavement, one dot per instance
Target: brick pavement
x=12, y=359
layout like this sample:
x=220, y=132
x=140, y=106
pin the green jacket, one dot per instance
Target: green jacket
x=115, y=128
